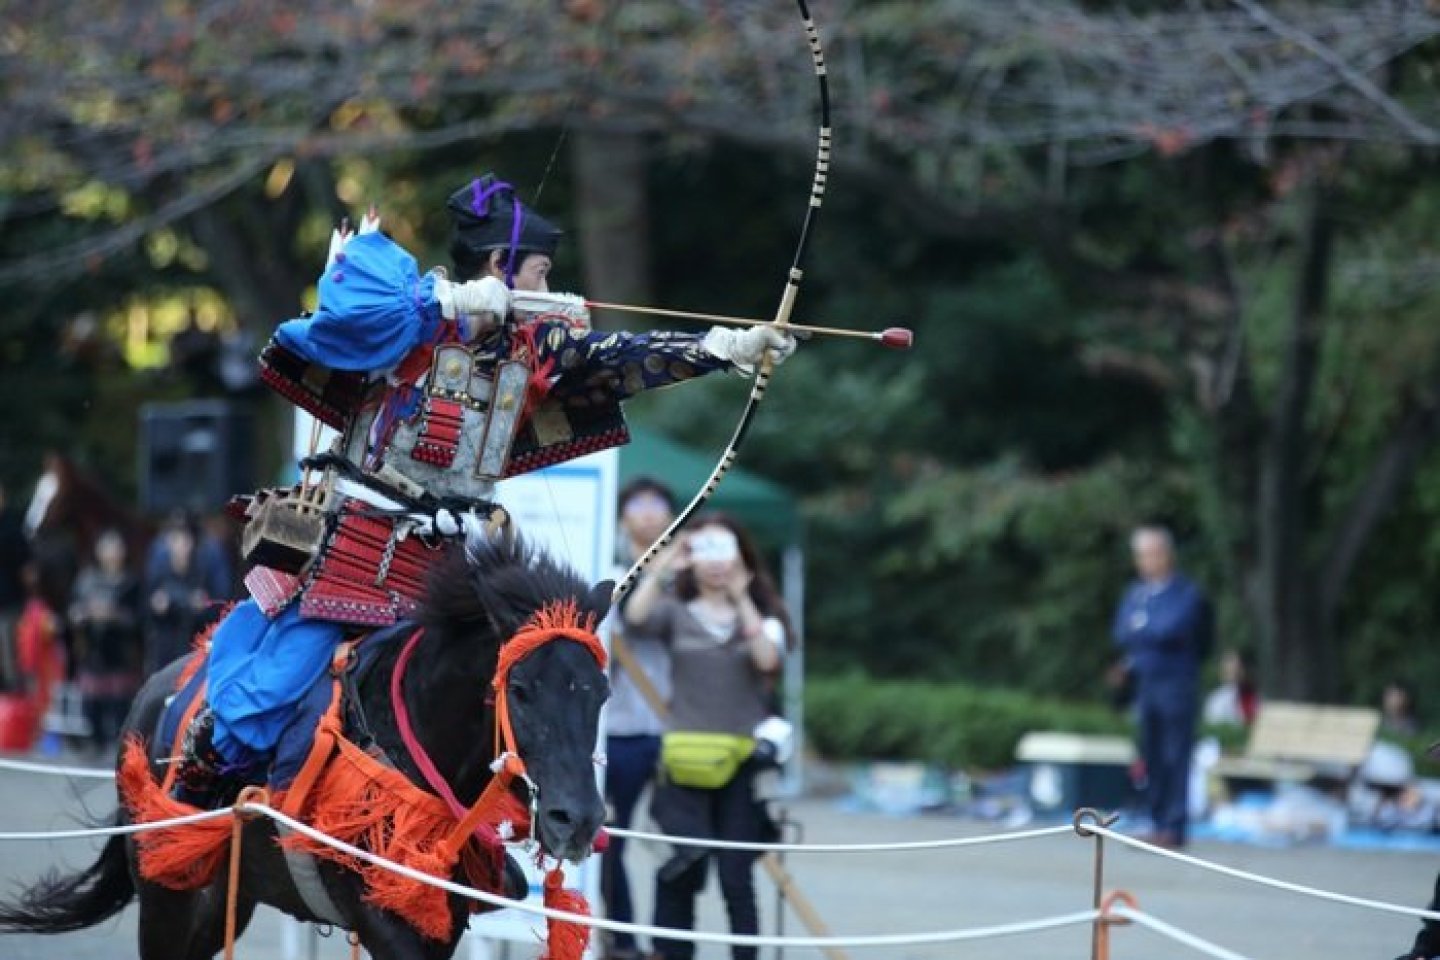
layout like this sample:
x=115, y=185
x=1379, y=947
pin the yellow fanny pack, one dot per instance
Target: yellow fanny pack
x=707, y=761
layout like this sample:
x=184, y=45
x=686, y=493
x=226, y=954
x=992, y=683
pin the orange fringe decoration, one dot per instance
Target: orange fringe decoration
x=564, y=940
x=365, y=803
x=184, y=858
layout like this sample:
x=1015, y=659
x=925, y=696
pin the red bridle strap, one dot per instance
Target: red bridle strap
x=559, y=621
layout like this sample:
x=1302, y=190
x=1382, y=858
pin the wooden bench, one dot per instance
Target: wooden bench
x=1298, y=742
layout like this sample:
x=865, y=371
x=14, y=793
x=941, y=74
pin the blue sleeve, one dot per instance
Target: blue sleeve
x=600, y=364
x=374, y=309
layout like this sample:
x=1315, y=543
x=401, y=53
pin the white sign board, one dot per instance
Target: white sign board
x=570, y=510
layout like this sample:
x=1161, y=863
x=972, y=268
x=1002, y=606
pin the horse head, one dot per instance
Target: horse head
x=554, y=695
x=539, y=617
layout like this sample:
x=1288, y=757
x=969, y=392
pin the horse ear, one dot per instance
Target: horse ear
x=598, y=600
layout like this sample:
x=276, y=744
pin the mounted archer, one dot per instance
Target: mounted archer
x=440, y=387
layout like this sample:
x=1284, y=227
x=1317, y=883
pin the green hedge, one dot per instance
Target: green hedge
x=852, y=717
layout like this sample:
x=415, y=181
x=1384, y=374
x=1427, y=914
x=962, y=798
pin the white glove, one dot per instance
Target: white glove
x=745, y=348
x=780, y=734
x=486, y=298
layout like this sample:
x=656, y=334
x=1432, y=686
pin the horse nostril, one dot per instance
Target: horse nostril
x=559, y=817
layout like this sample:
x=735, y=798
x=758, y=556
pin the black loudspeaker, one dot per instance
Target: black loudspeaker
x=194, y=455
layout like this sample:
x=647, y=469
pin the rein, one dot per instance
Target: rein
x=552, y=623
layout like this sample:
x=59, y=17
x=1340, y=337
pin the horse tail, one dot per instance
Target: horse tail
x=60, y=903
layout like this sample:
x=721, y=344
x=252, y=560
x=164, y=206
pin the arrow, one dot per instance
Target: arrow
x=896, y=338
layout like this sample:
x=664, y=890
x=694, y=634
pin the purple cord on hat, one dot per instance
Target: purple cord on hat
x=480, y=196
x=480, y=206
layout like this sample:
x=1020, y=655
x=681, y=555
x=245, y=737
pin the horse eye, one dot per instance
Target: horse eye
x=520, y=692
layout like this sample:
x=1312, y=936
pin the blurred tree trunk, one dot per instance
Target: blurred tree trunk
x=1295, y=557
x=251, y=246
x=250, y=242
x=1298, y=658
x=613, y=216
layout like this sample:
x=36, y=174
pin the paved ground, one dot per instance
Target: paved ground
x=877, y=893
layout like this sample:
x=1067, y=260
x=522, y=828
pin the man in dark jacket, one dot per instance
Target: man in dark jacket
x=1164, y=628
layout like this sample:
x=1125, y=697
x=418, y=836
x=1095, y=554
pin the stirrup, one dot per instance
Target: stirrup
x=200, y=777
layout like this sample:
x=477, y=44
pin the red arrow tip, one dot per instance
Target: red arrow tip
x=897, y=338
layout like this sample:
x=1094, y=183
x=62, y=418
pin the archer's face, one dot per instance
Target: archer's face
x=533, y=275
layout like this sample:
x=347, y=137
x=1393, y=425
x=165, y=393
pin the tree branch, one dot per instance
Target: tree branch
x=1357, y=81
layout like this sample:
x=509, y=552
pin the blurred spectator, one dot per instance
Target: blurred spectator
x=41, y=661
x=1235, y=701
x=1397, y=709
x=47, y=488
x=726, y=630
x=215, y=554
x=14, y=555
x=105, y=616
x=1164, y=628
x=175, y=595
x=632, y=727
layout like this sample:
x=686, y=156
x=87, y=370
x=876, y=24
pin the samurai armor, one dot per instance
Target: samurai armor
x=271, y=589
x=458, y=444
x=440, y=430
x=285, y=529
x=557, y=432
x=331, y=396
x=369, y=573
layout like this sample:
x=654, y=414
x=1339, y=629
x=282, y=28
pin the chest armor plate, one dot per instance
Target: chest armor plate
x=457, y=443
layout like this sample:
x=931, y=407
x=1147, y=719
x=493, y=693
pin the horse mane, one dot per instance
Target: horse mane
x=500, y=585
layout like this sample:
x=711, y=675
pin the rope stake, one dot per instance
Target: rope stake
x=250, y=800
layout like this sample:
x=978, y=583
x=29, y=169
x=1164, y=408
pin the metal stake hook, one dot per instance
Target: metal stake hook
x=1086, y=817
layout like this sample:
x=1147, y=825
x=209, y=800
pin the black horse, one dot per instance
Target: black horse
x=476, y=602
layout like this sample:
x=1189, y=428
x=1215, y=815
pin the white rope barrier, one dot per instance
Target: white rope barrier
x=936, y=937
x=679, y=841
x=120, y=830
x=945, y=844
x=745, y=940
x=25, y=766
x=1175, y=933
x=1264, y=880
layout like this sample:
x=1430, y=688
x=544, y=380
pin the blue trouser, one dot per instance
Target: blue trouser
x=259, y=670
x=1167, y=737
x=629, y=766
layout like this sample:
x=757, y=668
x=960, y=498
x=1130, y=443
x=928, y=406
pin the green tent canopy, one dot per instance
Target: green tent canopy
x=765, y=508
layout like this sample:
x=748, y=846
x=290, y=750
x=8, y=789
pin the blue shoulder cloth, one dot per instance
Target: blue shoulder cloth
x=374, y=309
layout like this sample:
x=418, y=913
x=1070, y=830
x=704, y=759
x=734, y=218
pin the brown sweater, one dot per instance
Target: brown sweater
x=715, y=686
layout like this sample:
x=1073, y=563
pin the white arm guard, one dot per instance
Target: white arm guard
x=473, y=298
x=745, y=348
